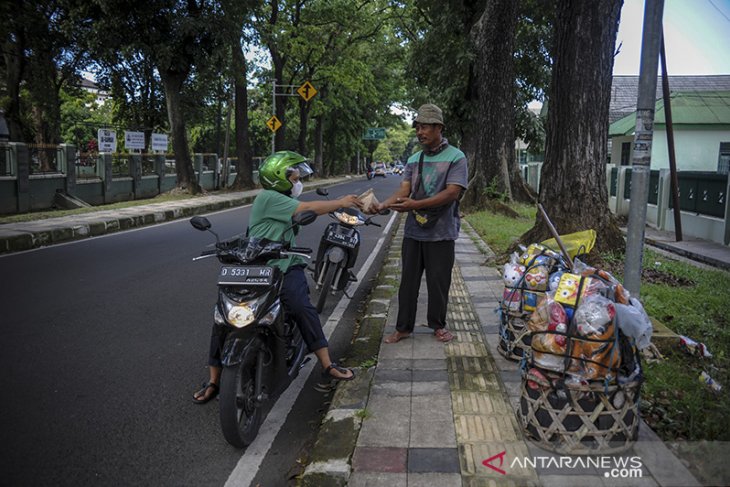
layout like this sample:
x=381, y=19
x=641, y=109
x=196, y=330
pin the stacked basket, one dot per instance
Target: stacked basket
x=525, y=279
x=582, y=375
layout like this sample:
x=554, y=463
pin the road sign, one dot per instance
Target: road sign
x=374, y=134
x=107, y=140
x=159, y=142
x=273, y=123
x=134, y=140
x=307, y=91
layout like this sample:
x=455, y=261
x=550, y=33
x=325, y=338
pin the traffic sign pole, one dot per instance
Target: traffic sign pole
x=305, y=90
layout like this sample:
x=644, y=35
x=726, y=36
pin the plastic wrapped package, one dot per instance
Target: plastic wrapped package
x=593, y=316
x=548, y=361
x=569, y=284
x=593, y=360
x=511, y=299
x=512, y=274
x=536, y=278
x=633, y=322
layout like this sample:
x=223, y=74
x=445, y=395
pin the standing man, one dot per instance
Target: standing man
x=433, y=181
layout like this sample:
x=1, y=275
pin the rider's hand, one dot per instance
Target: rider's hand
x=350, y=201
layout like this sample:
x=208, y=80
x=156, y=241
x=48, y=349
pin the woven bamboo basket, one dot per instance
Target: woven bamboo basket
x=514, y=337
x=587, y=419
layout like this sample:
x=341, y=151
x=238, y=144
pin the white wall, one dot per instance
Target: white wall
x=695, y=149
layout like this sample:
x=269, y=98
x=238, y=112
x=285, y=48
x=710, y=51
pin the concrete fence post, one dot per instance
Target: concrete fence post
x=135, y=171
x=105, y=166
x=198, y=166
x=160, y=171
x=68, y=158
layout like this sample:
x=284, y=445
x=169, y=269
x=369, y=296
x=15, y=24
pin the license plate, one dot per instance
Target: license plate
x=346, y=240
x=246, y=275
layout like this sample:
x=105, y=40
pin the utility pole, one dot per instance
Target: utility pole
x=641, y=159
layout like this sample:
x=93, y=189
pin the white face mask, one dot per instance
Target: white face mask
x=296, y=189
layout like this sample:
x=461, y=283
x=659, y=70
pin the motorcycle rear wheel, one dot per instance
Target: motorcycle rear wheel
x=329, y=276
x=239, y=414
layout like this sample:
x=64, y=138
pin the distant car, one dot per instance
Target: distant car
x=398, y=169
x=380, y=169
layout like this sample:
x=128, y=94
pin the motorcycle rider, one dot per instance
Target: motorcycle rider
x=271, y=214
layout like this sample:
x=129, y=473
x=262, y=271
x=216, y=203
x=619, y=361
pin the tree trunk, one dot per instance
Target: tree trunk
x=573, y=180
x=15, y=63
x=244, y=176
x=494, y=35
x=280, y=101
x=173, y=82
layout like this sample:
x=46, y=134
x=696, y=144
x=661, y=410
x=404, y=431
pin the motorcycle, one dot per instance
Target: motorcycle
x=370, y=172
x=263, y=350
x=338, y=249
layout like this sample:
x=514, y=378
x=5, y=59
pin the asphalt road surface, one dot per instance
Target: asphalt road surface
x=102, y=343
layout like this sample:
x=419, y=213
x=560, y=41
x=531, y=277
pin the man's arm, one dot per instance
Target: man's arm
x=402, y=192
x=446, y=196
x=320, y=207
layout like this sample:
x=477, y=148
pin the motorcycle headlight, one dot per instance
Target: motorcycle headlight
x=243, y=313
x=346, y=218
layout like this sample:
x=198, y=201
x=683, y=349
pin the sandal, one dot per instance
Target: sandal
x=200, y=397
x=326, y=373
x=396, y=336
x=443, y=335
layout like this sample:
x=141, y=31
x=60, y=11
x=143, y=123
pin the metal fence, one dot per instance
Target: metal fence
x=86, y=165
x=44, y=158
x=5, y=164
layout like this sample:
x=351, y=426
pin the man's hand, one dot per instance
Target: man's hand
x=350, y=201
x=404, y=204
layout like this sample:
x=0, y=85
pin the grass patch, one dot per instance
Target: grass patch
x=42, y=215
x=499, y=231
x=691, y=301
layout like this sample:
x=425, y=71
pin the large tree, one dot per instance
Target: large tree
x=177, y=36
x=573, y=180
x=494, y=68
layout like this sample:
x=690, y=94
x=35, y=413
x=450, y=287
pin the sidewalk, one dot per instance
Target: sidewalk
x=429, y=414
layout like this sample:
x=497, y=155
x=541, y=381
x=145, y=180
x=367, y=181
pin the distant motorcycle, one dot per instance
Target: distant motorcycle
x=338, y=251
x=264, y=349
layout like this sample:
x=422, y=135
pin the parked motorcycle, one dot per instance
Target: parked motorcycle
x=263, y=350
x=338, y=249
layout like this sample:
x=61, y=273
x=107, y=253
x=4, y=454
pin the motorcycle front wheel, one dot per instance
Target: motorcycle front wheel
x=329, y=276
x=239, y=413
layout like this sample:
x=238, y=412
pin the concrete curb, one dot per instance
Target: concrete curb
x=18, y=237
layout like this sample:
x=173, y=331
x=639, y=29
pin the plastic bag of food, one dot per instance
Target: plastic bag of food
x=593, y=317
x=369, y=202
x=633, y=322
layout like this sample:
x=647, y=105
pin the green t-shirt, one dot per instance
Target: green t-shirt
x=270, y=216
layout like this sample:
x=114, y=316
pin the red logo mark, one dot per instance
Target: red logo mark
x=488, y=462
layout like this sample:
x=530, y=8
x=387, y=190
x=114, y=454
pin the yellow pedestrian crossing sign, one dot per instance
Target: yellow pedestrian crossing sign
x=273, y=123
x=307, y=91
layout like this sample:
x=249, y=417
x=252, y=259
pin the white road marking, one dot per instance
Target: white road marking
x=248, y=466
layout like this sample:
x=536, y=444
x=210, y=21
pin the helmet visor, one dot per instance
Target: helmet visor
x=303, y=168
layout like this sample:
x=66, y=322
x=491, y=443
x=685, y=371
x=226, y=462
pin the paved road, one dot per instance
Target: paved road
x=101, y=344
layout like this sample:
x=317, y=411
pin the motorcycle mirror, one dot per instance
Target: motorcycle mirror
x=322, y=192
x=304, y=218
x=200, y=223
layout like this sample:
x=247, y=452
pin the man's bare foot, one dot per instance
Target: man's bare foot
x=396, y=336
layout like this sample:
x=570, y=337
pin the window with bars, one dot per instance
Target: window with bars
x=723, y=160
